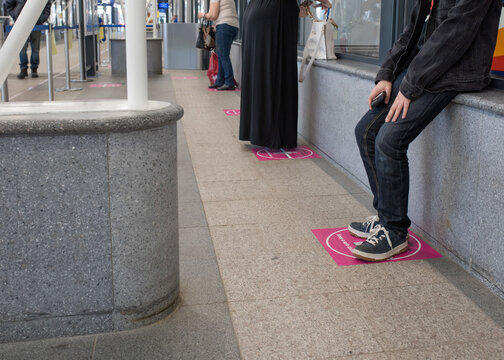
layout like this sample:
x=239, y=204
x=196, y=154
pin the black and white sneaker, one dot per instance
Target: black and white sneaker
x=381, y=245
x=363, y=230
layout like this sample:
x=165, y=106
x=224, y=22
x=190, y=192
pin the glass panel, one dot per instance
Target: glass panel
x=359, y=26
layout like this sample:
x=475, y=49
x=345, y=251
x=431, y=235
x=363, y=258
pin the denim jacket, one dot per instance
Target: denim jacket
x=457, y=54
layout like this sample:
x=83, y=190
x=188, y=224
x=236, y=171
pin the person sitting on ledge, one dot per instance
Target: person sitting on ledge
x=447, y=48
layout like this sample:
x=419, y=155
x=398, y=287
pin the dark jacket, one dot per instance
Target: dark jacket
x=457, y=53
x=14, y=8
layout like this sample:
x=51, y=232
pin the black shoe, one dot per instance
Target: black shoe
x=226, y=87
x=381, y=245
x=363, y=230
x=22, y=74
x=34, y=73
x=214, y=86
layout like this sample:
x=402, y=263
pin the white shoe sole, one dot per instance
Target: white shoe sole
x=358, y=233
x=380, y=257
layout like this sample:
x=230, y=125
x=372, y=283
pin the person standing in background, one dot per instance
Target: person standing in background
x=13, y=8
x=269, y=87
x=223, y=13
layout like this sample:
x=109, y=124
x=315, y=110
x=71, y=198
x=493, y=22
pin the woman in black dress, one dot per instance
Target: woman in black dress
x=269, y=88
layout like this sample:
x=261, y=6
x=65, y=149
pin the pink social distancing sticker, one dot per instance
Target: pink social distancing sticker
x=339, y=243
x=223, y=91
x=185, y=77
x=104, y=85
x=301, y=152
x=232, y=112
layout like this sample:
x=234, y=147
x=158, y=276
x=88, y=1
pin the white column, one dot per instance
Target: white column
x=136, y=54
x=9, y=53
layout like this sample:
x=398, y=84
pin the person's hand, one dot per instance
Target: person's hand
x=382, y=86
x=200, y=15
x=303, y=12
x=401, y=104
x=325, y=4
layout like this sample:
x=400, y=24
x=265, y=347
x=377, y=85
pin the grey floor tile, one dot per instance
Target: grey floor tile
x=200, y=282
x=263, y=211
x=471, y=287
x=308, y=327
x=235, y=190
x=78, y=348
x=278, y=276
x=195, y=243
x=191, y=214
x=480, y=350
x=387, y=275
x=188, y=190
x=246, y=241
x=191, y=333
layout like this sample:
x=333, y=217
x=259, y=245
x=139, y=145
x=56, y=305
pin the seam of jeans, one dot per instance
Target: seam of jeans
x=366, y=131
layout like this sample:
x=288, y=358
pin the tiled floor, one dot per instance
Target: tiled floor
x=256, y=284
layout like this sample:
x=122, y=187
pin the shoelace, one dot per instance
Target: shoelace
x=370, y=221
x=374, y=238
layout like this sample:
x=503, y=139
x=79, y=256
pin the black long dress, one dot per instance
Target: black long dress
x=269, y=88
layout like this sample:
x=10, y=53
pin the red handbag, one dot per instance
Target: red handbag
x=213, y=67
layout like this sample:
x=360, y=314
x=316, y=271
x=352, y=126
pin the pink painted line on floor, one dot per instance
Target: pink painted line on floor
x=338, y=242
x=104, y=85
x=185, y=77
x=223, y=91
x=232, y=112
x=301, y=152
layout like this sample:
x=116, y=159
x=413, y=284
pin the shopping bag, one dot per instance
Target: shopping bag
x=319, y=45
x=213, y=68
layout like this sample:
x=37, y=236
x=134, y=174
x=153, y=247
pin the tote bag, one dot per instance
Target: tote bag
x=320, y=44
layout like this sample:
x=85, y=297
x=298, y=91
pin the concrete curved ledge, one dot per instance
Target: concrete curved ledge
x=83, y=117
x=89, y=217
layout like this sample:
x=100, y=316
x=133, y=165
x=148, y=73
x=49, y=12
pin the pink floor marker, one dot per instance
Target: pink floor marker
x=224, y=91
x=339, y=243
x=301, y=152
x=185, y=77
x=104, y=85
x=232, y=112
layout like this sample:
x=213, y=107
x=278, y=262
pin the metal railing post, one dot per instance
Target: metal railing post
x=50, y=79
x=5, y=87
x=66, y=39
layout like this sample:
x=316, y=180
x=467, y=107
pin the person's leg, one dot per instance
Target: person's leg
x=365, y=134
x=23, y=62
x=392, y=169
x=35, y=48
x=219, y=39
x=224, y=48
x=390, y=236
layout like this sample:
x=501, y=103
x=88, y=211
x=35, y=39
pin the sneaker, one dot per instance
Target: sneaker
x=214, y=86
x=34, y=73
x=381, y=245
x=226, y=88
x=363, y=230
x=22, y=74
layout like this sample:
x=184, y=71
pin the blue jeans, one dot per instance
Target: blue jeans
x=224, y=36
x=383, y=147
x=34, y=40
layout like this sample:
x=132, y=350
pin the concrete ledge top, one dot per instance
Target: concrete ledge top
x=83, y=117
x=489, y=100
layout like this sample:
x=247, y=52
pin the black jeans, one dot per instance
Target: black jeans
x=383, y=147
